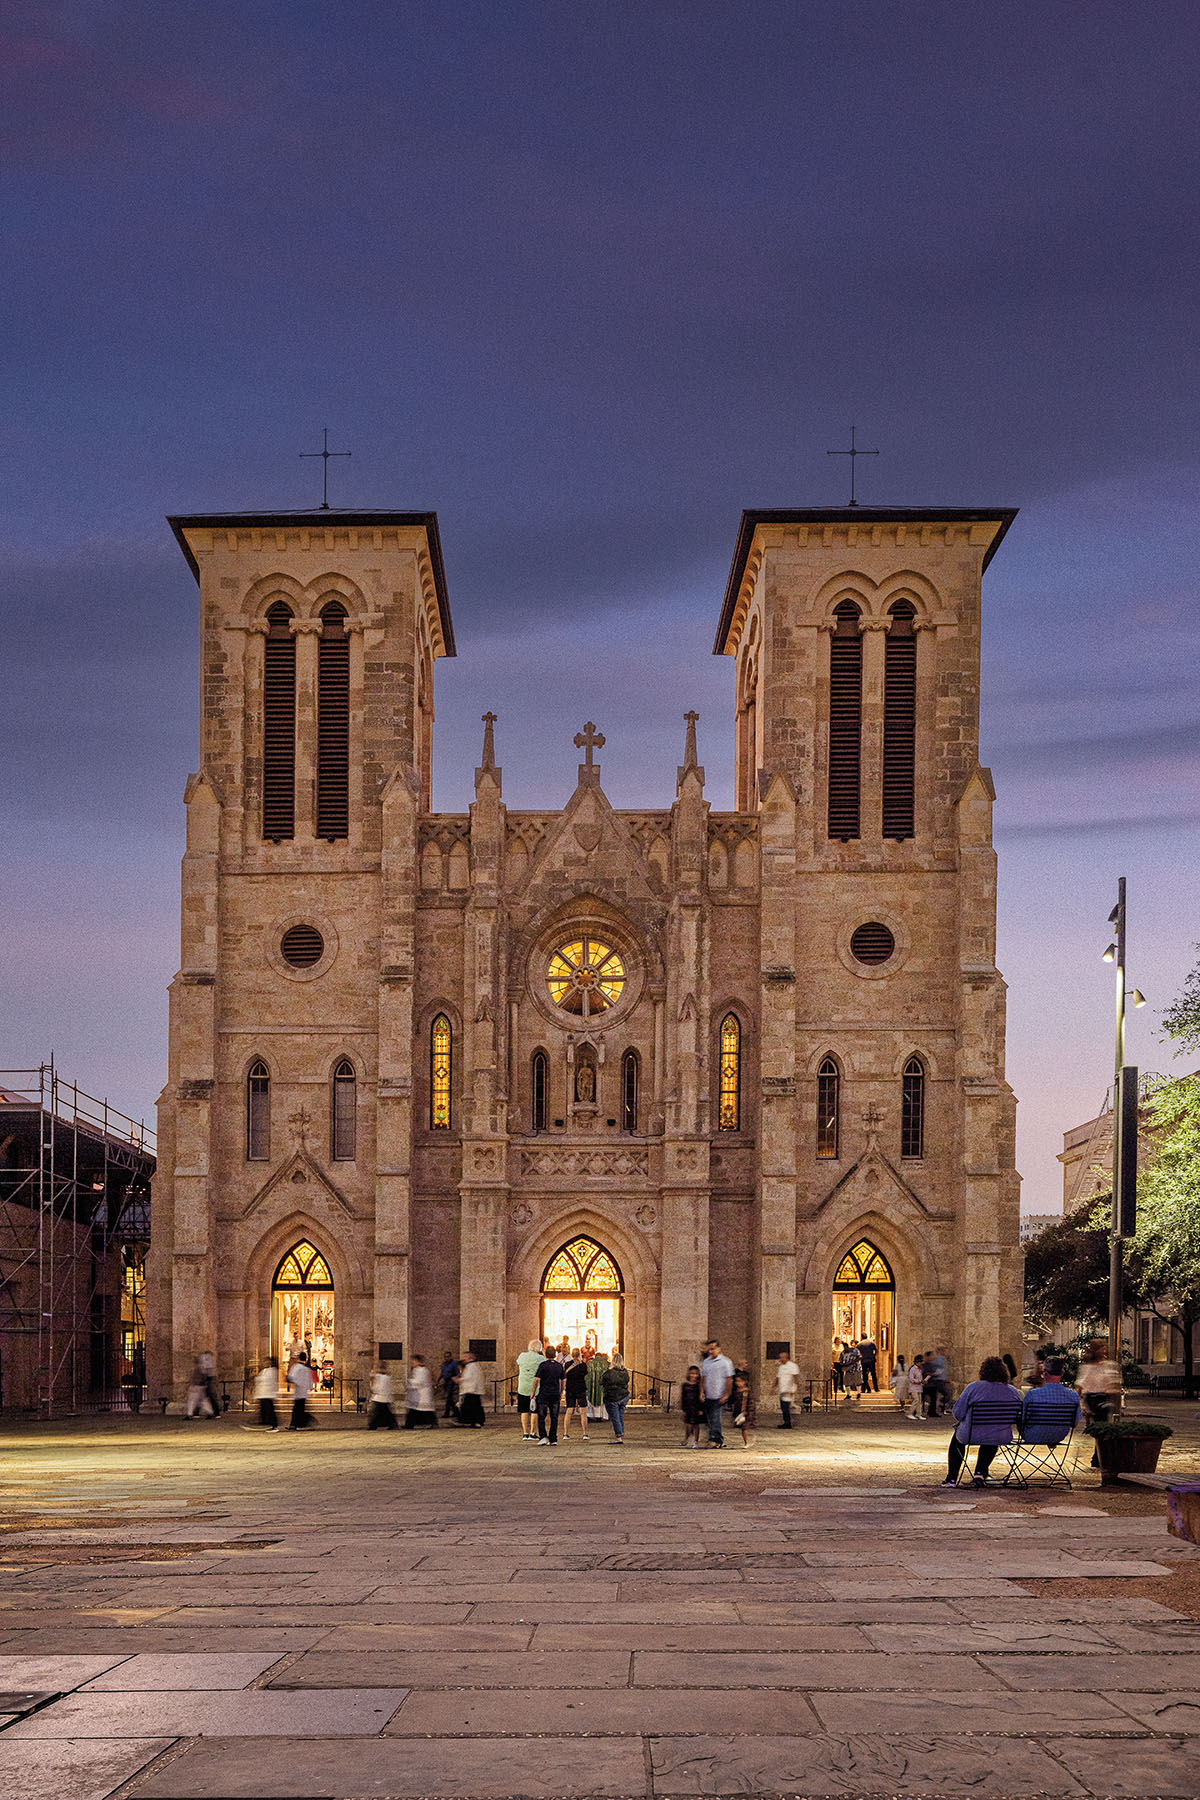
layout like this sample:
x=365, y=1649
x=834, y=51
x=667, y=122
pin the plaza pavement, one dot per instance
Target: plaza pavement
x=193, y=1611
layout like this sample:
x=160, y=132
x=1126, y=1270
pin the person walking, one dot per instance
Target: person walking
x=899, y=1384
x=208, y=1368
x=447, y=1376
x=300, y=1380
x=380, y=1416
x=575, y=1397
x=198, y=1404
x=1098, y=1385
x=868, y=1356
x=716, y=1375
x=787, y=1379
x=741, y=1404
x=527, y=1367
x=547, y=1397
x=938, y=1387
x=616, y=1394
x=851, y=1370
x=266, y=1392
x=691, y=1405
x=470, y=1392
x=421, y=1410
x=835, y=1368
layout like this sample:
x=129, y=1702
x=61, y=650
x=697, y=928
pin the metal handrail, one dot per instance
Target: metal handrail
x=346, y=1395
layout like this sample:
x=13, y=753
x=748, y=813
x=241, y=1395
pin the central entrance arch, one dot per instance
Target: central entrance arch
x=302, y=1315
x=864, y=1302
x=583, y=1297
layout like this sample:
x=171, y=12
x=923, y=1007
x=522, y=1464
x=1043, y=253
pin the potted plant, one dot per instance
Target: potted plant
x=1127, y=1446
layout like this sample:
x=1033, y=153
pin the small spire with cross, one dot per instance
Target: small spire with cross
x=324, y=453
x=489, y=741
x=587, y=740
x=852, y=452
x=690, y=758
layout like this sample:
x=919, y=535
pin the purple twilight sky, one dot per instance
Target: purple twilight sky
x=588, y=280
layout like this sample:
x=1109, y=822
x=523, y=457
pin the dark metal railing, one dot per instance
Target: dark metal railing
x=345, y=1394
x=644, y=1390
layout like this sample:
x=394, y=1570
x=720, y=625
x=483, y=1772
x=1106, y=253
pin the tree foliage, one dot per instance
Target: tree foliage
x=1167, y=1245
x=1181, y=1021
x=1066, y=1271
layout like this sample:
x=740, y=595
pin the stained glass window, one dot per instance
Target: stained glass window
x=303, y=1266
x=828, y=1084
x=585, y=976
x=440, y=1049
x=729, y=1106
x=582, y=1267
x=865, y=1266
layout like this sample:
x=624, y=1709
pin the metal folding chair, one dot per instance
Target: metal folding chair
x=1042, y=1459
x=983, y=1416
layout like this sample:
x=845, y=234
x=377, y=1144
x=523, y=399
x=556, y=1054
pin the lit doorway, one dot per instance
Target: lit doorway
x=583, y=1298
x=864, y=1303
x=302, y=1314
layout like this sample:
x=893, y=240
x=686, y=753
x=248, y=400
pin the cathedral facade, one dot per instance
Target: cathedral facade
x=634, y=1078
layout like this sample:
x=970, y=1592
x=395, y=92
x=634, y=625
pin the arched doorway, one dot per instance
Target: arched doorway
x=302, y=1316
x=864, y=1302
x=583, y=1298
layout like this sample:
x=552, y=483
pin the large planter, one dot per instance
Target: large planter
x=1124, y=1453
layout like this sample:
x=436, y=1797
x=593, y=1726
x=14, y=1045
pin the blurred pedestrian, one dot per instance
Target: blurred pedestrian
x=868, y=1356
x=266, y=1392
x=691, y=1405
x=198, y=1404
x=899, y=1384
x=420, y=1410
x=741, y=1404
x=916, y=1388
x=446, y=1378
x=575, y=1396
x=380, y=1416
x=851, y=1370
x=208, y=1367
x=616, y=1394
x=300, y=1380
x=470, y=1392
x=787, y=1378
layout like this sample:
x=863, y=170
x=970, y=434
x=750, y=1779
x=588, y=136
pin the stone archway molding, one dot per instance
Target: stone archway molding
x=632, y=1253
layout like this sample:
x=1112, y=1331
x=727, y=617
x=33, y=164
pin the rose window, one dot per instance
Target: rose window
x=585, y=977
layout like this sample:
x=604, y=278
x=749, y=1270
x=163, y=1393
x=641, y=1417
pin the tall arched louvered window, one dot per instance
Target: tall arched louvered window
x=258, y=1113
x=629, y=1091
x=279, y=725
x=539, y=1071
x=829, y=1082
x=729, y=1098
x=441, y=1050
x=845, y=723
x=912, y=1108
x=344, y=1125
x=333, y=723
x=899, y=721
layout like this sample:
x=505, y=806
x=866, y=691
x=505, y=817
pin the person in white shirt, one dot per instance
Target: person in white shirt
x=787, y=1379
x=380, y=1416
x=528, y=1364
x=266, y=1392
x=300, y=1380
x=421, y=1408
x=470, y=1392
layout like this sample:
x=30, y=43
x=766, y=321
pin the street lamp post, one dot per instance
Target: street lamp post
x=1125, y=1135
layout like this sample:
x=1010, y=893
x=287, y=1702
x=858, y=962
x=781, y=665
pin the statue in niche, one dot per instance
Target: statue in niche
x=585, y=1084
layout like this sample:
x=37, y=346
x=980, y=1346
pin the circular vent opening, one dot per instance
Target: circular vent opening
x=302, y=946
x=872, y=943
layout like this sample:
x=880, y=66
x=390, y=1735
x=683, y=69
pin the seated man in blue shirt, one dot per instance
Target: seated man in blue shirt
x=1052, y=1410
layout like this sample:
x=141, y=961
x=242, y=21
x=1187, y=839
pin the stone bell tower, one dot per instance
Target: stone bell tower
x=885, y=1113
x=287, y=1110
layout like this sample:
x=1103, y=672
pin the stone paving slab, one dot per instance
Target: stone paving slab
x=1144, y=1766
x=529, y=1669
x=264, y=1713
x=370, y=1638
x=987, y=1710
x=1064, y=1638
x=68, y=1769
x=1147, y=1674
x=449, y=1769
x=281, y=1617
x=150, y=1670
x=52, y=1674
x=614, y=1713
x=127, y=1640
x=862, y=1669
x=965, y=1587
x=828, y=1765
x=680, y=1609
x=1041, y=1568
x=1173, y=1712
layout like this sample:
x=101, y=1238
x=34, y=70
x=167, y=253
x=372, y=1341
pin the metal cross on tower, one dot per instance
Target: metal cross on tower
x=589, y=739
x=852, y=452
x=325, y=453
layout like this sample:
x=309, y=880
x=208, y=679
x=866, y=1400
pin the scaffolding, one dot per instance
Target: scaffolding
x=74, y=1229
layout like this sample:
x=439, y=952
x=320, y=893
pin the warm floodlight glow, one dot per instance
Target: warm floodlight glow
x=1110, y=955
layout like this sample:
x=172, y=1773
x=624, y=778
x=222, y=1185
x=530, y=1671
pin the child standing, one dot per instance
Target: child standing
x=900, y=1384
x=916, y=1388
x=742, y=1402
x=691, y=1405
